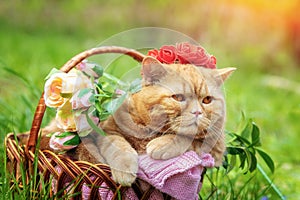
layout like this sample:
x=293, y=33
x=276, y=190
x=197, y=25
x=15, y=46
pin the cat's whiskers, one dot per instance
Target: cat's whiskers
x=213, y=134
x=167, y=130
x=160, y=127
x=185, y=122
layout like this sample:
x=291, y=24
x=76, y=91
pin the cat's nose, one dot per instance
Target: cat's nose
x=197, y=113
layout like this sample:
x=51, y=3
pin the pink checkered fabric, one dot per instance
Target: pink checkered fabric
x=178, y=177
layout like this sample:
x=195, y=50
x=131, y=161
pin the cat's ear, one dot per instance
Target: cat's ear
x=224, y=73
x=152, y=70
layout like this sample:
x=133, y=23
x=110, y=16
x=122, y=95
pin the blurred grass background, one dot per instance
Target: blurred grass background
x=260, y=37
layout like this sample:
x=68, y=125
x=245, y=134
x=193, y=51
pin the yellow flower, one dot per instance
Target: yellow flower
x=61, y=86
x=52, y=91
x=58, y=91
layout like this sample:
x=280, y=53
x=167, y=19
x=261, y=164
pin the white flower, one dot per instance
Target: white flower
x=61, y=86
x=82, y=125
x=81, y=99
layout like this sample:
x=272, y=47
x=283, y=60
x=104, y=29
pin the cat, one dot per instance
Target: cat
x=180, y=107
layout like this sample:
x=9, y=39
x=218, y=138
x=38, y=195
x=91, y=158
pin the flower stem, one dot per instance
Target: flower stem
x=275, y=188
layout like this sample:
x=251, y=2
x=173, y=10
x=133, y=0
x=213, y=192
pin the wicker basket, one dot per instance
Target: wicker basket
x=48, y=162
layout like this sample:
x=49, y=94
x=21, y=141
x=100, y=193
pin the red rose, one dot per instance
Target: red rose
x=185, y=47
x=212, y=63
x=153, y=53
x=184, y=53
x=201, y=58
x=189, y=53
x=167, y=54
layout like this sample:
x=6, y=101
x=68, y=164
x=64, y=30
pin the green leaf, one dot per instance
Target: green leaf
x=98, y=107
x=92, y=99
x=249, y=159
x=74, y=141
x=113, y=105
x=107, y=95
x=83, y=92
x=268, y=160
x=253, y=165
x=241, y=139
x=98, y=70
x=242, y=123
x=104, y=116
x=247, y=130
x=225, y=163
x=65, y=134
x=91, y=123
x=255, y=135
x=234, y=150
x=243, y=158
x=232, y=163
x=112, y=79
x=99, y=86
x=106, y=87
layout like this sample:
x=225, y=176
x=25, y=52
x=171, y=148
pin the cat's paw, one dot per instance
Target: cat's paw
x=123, y=178
x=161, y=149
x=124, y=168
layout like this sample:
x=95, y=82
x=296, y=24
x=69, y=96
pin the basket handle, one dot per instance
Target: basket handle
x=40, y=110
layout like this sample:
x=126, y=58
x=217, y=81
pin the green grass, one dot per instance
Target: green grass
x=28, y=52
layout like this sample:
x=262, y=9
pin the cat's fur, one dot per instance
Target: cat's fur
x=179, y=108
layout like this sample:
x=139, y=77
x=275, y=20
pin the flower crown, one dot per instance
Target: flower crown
x=86, y=95
x=184, y=53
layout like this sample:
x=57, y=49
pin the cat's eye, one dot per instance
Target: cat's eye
x=178, y=97
x=207, y=99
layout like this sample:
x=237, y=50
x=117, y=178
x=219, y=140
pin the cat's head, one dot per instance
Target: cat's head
x=182, y=99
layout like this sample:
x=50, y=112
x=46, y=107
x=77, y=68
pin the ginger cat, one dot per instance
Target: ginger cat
x=179, y=108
